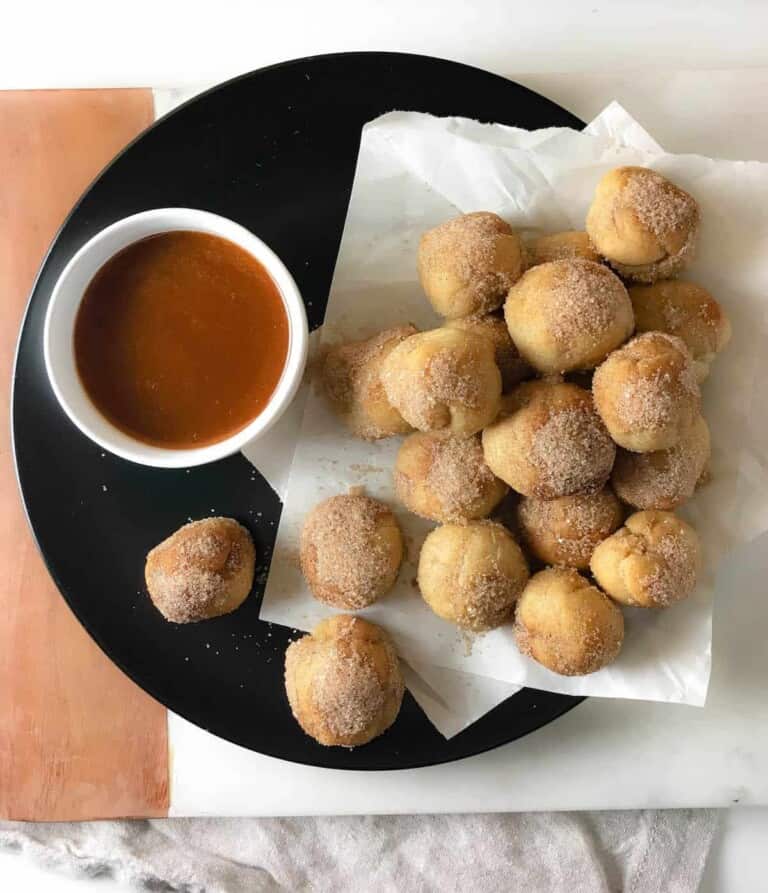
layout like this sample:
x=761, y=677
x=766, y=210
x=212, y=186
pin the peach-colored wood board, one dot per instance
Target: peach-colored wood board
x=78, y=739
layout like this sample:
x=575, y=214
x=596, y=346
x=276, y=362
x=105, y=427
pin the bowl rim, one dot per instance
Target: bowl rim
x=169, y=219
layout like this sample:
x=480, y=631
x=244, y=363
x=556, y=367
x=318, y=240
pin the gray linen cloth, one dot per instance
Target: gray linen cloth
x=650, y=851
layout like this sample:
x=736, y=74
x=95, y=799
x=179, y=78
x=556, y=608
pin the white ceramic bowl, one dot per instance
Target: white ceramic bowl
x=58, y=335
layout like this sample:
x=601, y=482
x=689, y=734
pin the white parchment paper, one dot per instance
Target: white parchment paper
x=415, y=171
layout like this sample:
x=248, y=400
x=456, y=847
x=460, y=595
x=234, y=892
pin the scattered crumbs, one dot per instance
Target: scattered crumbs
x=363, y=468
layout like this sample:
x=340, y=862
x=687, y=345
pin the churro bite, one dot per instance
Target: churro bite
x=568, y=245
x=651, y=562
x=467, y=264
x=512, y=366
x=472, y=573
x=646, y=392
x=565, y=531
x=549, y=441
x=343, y=681
x=444, y=380
x=663, y=479
x=350, y=550
x=686, y=310
x=446, y=478
x=643, y=224
x=351, y=380
x=568, y=314
x=203, y=570
x=566, y=624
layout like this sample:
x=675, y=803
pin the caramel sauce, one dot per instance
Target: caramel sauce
x=180, y=339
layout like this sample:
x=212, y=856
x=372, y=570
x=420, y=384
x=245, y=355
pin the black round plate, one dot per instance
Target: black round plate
x=275, y=150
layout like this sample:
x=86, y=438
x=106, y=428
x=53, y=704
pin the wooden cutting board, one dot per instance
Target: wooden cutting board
x=78, y=740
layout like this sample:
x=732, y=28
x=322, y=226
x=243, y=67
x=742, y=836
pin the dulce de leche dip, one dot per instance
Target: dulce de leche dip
x=181, y=339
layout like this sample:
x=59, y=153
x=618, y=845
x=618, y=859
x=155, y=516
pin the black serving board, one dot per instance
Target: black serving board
x=274, y=150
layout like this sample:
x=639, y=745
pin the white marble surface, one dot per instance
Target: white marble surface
x=651, y=754
x=82, y=43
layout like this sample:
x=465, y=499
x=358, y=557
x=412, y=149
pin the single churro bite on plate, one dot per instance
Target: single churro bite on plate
x=646, y=392
x=566, y=624
x=549, y=441
x=472, y=573
x=643, y=224
x=686, y=310
x=444, y=380
x=663, y=479
x=446, y=478
x=512, y=366
x=565, y=531
x=351, y=380
x=343, y=681
x=651, y=562
x=568, y=245
x=467, y=264
x=568, y=314
x=203, y=570
x=350, y=550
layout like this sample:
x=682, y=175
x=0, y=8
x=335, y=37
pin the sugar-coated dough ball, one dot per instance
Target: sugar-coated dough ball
x=568, y=314
x=471, y=574
x=666, y=478
x=550, y=443
x=350, y=377
x=646, y=392
x=350, y=551
x=651, y=562
x=561, y=246
x=686, y=310
x=567, y=625
x=444, y=380
x=343, y=681
x=467, y=264
x=446, y=478
x=565, y=531
x=203, y=570
x=512, y=366
x=643, y=224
